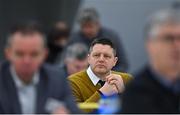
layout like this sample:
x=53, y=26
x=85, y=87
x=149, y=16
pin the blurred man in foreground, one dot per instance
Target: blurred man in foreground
x=156, y=88
x=28, y=86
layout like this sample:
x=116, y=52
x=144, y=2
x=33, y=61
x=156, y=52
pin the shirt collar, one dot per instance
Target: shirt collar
x=19, y=83
x=92, y=76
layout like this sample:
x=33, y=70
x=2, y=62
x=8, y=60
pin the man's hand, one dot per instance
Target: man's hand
x=55, y=106
x=61, y=110
x=108, y=89
x=116, y=80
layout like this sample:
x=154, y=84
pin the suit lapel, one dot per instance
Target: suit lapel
x=12, y=96
x=42, y=92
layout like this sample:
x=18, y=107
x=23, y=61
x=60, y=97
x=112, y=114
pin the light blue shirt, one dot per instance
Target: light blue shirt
x=26, y=92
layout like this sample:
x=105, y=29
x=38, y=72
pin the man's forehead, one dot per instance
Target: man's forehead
x=97, y=46
x=25, y=35
x=170, y=26
x=102, y=48
x=165, y=29
x=20, y=37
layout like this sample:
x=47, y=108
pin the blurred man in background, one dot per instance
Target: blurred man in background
x=57, y=40
x=90, y=28
x=156, y=88
x=28, y=86
x=75, y=59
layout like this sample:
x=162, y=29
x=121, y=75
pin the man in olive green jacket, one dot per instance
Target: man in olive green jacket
x=98, y=79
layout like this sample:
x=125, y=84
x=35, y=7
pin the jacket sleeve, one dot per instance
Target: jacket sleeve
x=77, y=94
x=69, y=99
x=79, y=99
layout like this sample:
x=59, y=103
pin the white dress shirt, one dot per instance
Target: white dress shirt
x=26, y=92
x=95, y=79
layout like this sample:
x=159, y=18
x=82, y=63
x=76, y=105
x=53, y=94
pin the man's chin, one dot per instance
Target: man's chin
x=26, y=72
x=101, y=71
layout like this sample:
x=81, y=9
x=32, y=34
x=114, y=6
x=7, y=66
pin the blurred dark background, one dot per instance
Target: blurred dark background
x=44, y=11
x=126, y=17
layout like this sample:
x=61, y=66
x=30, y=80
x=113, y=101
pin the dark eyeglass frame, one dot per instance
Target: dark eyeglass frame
x=168, y=38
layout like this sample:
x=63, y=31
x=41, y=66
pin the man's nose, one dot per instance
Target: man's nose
x=27, y=59
x=177, y=43
x=101, y=58
x=176, y=46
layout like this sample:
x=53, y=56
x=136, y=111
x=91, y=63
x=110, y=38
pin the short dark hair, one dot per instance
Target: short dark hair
x=25, y=28
x=57, y=33
x=103, y=41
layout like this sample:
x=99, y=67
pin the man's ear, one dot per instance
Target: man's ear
x=7, y=53
x=88, y=58
x=115, y=60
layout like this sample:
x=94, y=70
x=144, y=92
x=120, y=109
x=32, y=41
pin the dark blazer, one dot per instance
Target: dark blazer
x=51, y=85
x=147, y=95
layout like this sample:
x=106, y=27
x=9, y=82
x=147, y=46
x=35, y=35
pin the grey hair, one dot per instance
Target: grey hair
x=160, y=18
x=76, y=51
x=88, y=14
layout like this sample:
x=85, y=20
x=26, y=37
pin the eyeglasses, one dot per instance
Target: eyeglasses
x=169, y=38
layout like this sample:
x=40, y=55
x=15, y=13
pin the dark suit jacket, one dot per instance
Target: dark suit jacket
x=51, y=85
x=147, y=95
